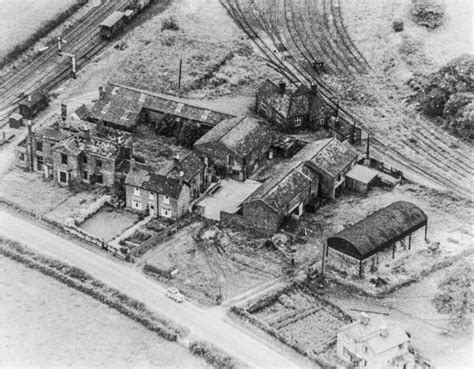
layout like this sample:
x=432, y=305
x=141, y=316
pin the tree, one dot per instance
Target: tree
x=455, y=296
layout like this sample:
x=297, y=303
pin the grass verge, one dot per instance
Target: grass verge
x=215, y=356
x=78, y=279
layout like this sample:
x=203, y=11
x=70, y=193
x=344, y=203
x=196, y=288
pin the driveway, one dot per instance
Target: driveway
x=208, y=324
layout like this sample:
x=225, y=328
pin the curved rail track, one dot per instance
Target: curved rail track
x=291, y=47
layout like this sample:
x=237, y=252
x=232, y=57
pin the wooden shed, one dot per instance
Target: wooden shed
x=15, y=121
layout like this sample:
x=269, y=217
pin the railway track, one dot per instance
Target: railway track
x=445, y=167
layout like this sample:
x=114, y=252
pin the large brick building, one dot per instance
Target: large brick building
x=167, y=192
x=235, y=147
x=302, y=108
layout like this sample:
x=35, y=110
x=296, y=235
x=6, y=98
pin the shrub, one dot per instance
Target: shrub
x=398, y=25
x=214, y=355
x=170, y=24
x=427, y=13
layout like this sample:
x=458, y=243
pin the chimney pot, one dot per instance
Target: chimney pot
x=282, y=86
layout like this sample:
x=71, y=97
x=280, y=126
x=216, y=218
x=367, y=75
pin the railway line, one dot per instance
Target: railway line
x=51, y=68
x=425, y=156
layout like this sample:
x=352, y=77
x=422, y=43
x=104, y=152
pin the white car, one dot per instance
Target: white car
x=174, y=294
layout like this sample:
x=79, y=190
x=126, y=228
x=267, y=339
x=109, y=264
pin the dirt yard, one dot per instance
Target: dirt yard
x=46, y=324
x=213, y=261
x=107, y=223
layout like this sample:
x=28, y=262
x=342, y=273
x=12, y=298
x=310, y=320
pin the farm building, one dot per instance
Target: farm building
x=123, y=108
x=373, y=343
x=91, y=156
x=361, y=178
x=31, y=105
x=167, y=192
x=302, y=108
x=332, y=160
x=356, y=249
x=235, y=147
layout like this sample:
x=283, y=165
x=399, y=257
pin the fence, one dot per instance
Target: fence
x=152, y=241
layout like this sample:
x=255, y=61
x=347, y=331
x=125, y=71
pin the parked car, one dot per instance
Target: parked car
x=174, y=294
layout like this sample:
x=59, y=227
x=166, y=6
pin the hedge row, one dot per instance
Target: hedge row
x=76, y=278
x=215, y=356
x=41, y=32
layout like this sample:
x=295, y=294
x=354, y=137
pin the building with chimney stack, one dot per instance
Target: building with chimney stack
x=235, y=147
x=303, y=108
x=374, y=343
x=167, y=191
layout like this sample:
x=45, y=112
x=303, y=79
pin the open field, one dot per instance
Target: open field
x=212, y=261
x=46, y=324
x=20, y=19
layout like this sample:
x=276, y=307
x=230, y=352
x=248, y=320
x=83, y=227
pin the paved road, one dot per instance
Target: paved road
x=208, y=324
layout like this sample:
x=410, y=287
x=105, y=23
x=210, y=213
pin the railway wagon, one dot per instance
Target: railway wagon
x=112, y=24
x=31, y=105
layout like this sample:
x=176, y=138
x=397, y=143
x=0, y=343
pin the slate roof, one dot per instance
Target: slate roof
x=371, y=334
x=190, y=165
x=55, y=132
x=121, y=105
x=332, y=158
x=240, y=135
x=287, y=104
x=144, y=176
x=379, y=230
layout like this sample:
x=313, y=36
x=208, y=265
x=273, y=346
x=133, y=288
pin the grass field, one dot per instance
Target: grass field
x=20, y=19
x=46, y=324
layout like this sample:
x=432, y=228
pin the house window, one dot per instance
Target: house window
x=402, y=346
x=99, y=178
x=84, y=159
x=39, y=162
x=39, y=146
x=85, y=175
x=136, y=191
x=346, y=353
x=322, y=122
x=136, y=204
x=151, y=196
x=298, y=122
x=64, y=158
x=62, y=177
x=366, y=349
x=339, y=177
x=166, y=200
x=21, y=156
x=264, y=107
x=230, y=160
x=98, y=163
x=166, y=212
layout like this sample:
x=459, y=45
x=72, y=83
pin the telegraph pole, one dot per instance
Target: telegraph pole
x=179, y=73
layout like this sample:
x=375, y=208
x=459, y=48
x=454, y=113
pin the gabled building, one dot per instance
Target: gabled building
x=291, y=110
x=374, y=343
x=332, y=160
x=123, y=107
x=91, y=156
x=235, y=147
x=303, y=108
x=167, y=192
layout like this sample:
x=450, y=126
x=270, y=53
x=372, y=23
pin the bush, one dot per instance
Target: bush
x=398, y=25
x=214, y=355
x=170, y=24
x=427, y=13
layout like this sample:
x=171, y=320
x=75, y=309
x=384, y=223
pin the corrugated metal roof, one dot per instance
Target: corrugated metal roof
x=379, y=230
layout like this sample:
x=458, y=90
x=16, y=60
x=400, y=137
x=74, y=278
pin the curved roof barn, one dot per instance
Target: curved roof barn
x=379, y=230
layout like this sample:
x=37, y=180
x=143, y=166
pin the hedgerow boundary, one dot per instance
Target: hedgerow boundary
x=79, y=280
x=43, y=31
x=83, y=282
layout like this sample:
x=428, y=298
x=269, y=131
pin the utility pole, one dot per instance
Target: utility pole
x=179, y=73
x=60, y=44
x=367, y=153
x=73, y=60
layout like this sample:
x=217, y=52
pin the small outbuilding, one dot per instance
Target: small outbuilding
x=355, y=250
x=15, y=121
x=31, y=105
x=361, y=178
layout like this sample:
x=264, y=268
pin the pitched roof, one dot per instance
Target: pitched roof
x=122, y=105
x=112, y=19
x=332, y=158
x=144, y=176
x=190, y=165
x=288, y=104
x=362, y=174
x=379, y=230
x=32, y=99
x=378, y=334
x=240, y=135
